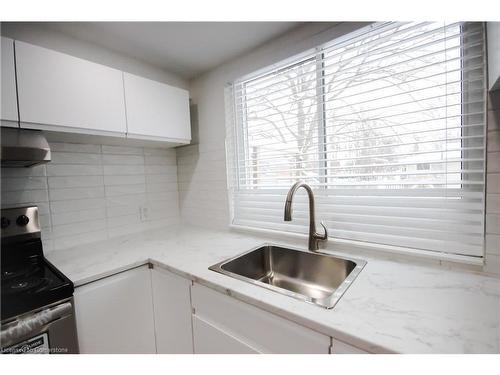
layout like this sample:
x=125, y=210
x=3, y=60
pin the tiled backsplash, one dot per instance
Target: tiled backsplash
x=203, y=186
x=90, y=192
x=493, y=185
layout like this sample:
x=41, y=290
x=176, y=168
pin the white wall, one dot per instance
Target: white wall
x=90, y=192
x=493, y=185
x=202, y=168
x=493, y=35
x=37, y=34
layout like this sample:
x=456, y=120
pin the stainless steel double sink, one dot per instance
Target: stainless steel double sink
x=317, y=278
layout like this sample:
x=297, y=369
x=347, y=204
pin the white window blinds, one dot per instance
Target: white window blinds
x=387, y=125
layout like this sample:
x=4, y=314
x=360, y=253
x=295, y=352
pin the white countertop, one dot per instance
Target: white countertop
x=392, y=306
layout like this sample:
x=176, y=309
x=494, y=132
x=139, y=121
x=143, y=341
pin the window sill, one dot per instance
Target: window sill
x=372, y=249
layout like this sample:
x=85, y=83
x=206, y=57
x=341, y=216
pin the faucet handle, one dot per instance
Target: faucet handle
x=324, y=237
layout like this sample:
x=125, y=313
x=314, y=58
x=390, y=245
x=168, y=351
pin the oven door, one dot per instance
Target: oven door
x=48, y=330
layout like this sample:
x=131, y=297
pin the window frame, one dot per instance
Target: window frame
x=318, y=54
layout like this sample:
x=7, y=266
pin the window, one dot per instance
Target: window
x=386, y=124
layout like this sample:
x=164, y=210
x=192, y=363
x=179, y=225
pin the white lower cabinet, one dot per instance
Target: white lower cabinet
x=222, y=324
x=147, y=310
x=210, y=339
x=115, y=314
x=340, y=347
x=172, y=313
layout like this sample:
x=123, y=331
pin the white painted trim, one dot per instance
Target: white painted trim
x=67, y=129
x=350, y=245
x=156, y=138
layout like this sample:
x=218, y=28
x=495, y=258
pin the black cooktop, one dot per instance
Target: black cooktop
x=29, y=281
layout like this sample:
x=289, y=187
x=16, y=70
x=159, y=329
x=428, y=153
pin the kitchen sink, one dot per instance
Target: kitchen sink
x=317, y=278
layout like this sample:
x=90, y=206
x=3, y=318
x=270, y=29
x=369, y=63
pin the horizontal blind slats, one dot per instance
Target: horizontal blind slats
x=386, y=124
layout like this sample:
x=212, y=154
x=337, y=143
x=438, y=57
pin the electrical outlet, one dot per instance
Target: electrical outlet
x=144, y=213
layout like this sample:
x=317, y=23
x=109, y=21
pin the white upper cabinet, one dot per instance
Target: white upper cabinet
x=61, y=92
x=8, y=110
x=155, y=109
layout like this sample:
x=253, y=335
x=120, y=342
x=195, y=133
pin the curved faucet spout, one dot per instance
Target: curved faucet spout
x=314, y=237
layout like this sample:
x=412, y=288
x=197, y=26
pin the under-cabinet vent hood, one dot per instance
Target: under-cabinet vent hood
x=23, y=148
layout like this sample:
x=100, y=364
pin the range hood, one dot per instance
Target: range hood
x=23, y=148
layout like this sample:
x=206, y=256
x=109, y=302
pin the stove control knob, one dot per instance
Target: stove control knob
x=5, y=222
x=22, y=220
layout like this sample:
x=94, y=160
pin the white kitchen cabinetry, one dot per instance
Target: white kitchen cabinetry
x=340, y=347
x=115, y=314
x=64, y=93
x=156, y=110
x=222, y=324
x=172, y=313
x=493, y=32
x=8, y=111
x=211, y=339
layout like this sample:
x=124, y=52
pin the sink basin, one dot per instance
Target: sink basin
x=316, y=278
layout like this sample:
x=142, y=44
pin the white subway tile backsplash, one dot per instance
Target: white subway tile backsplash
x=127, y=200
x=493, y=203
x=112, y=159
x=24, y=197
x=161, y=179
x=77, y=193
x=159, y=160
x=124, y=209
x=64, y=242
x=117, y=190
x=166, y=186
x=91, y=192
x=124, y=180
x=73, y=170
x=75, y=158
x=493, y=183
x=493, y=244
x=492, y=264
x=493, y=162
x=78, y=216
x=122, y=150
x=38, y=170
x=161, y=169
x=74, y=181
x=31, y=183
x=75, y=147
x=492, y=223
x=76, y=205
x=494, y=141
x=168, y=153
x=65, y=230
x=123, y=170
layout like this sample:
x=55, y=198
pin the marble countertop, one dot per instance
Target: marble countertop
x=392, y=306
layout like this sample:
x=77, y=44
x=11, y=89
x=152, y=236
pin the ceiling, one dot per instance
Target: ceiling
x=187, y=49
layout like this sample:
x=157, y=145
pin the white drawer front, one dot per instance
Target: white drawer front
x=211, y=340
x=257, y=328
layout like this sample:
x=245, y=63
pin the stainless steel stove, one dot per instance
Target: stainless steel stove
x=37, y=311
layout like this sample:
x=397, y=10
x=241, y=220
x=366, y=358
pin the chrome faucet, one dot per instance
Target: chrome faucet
x=314, y=237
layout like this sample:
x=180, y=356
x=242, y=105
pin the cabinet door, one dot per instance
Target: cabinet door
x=256, y=328
x=155, y=109
x=339, y=347
x=115, y=314
x=212, y=340
x=59, y=90
x=8, y=110
x=172, y=312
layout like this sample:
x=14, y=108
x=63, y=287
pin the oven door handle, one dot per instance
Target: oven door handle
x=34, y=322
